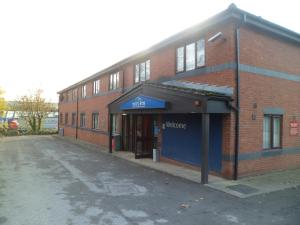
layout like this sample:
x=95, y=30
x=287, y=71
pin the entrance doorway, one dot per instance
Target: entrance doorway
x=138, y=135
x=144, y=136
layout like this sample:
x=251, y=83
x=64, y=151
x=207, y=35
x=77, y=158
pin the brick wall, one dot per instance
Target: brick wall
x=268, y=51
x=259, y=92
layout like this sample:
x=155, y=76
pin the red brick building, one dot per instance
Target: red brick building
x=223, y=96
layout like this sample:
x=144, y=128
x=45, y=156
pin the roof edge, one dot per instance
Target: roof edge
x=231, y=12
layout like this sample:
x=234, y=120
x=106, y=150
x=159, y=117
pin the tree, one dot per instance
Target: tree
x=2, y=110
x=2, y=102
x=33, y=108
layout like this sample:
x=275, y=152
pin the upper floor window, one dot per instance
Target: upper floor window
x=114, y=81
x=61, y=97
x=74, y=94
x=66, y=96
x=272, y=132
x=142, y=71
x=69, y=95
x=83, y=91
x=96, y=87
x=190, y=56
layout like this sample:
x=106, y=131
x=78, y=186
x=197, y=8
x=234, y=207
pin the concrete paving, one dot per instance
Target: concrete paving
x=46, y=180
x=257, y=185
x=242, y=188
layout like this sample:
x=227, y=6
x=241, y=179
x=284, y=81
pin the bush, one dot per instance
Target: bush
x=12, y=132
x=41, y=132
x=47, y=132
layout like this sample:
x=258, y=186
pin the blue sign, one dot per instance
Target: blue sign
x=144, y=102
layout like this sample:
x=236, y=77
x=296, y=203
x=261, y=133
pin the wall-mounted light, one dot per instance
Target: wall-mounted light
x=217, y=36
x=197, y=103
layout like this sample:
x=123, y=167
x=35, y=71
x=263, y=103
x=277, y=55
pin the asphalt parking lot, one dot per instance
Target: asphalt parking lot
x=45, y=180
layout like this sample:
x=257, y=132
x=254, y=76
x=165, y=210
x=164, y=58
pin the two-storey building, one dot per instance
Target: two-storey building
x=223, y=95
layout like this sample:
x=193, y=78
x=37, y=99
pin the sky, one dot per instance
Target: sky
x=52, y=44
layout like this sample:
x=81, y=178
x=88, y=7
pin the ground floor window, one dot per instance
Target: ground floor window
x=73, y=119
x=66, y=119
x=114, y=123
x=61, y=118
x=82, y=119
x=95, y=120
x=272, y=131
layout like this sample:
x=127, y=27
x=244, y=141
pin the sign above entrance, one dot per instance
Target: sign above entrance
x=143, y=102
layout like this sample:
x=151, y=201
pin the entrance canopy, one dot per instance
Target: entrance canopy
x=173, y=97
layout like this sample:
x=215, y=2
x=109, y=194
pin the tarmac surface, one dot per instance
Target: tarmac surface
x=45, y=180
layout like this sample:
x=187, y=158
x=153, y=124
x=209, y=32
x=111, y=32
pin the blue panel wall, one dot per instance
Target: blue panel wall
x=182, y=139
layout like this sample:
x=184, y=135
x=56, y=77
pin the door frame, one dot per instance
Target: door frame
x=145, y=153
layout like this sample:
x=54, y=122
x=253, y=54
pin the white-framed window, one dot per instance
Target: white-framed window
x=66, y=118
x=96, y=87
x=74, y=94
x=180, y=59
x=272, y=131
x=69, y=96
x=190, y=59
x=61, y=119
x=200, y=57
x=83, y=91
x=114, y=123
x=95, y=120
x=190, y=56
x=142, y=71
x=82, y=119
x=73, y=119
x=114, y=81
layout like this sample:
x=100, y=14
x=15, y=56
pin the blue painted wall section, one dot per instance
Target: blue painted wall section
x=144, y=102
x=181, y=139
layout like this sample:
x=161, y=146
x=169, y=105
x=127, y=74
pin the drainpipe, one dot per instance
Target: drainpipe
x=237, y=111
x=76, y=128
x=110, y=124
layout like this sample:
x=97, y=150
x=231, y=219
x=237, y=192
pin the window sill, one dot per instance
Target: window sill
x=141, y=82
x=271, y=152
x=186, y=71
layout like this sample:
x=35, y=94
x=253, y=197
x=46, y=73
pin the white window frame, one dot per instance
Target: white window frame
x=96, y=87
x=142, y=71
x=82, y=119
x=73, y=119
x=271, y=136
x=197, y=58
x=83, y=91
x=74, y=94
x=95, y=121
x=180, y=52
x=114, y=81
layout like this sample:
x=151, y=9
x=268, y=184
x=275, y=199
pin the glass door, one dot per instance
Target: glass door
x=143, y=136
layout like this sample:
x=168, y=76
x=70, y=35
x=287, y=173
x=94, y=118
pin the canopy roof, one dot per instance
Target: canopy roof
x=173, y=97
